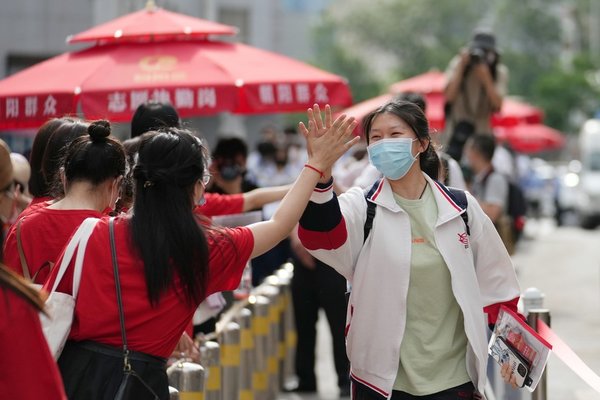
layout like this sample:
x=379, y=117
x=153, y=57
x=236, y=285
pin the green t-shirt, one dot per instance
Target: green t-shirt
x=434, y=346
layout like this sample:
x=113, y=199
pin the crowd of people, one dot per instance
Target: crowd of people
x=422, y=263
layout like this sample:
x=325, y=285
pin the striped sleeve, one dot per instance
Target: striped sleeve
x=322, y=225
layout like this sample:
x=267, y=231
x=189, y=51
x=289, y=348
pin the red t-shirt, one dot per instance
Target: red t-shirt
x=44, y=233
x=151, y=330
x=221, y=204
x=28, y=370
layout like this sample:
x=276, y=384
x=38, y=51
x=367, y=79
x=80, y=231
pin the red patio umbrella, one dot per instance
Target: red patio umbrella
x=434, y=111
x=150, y=24
x=431, y=84
x=433, y=81
x=198, y=76
x=530, y=138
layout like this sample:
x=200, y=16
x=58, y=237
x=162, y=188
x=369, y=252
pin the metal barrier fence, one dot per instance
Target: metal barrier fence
x=250, y=355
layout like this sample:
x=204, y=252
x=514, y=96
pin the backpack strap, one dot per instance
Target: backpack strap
x=371, y=208
x=460, y=198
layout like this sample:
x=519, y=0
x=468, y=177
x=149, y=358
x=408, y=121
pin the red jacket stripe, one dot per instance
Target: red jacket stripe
x=330, y=240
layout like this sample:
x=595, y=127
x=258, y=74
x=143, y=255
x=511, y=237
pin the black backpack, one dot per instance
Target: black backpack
x=516, y=207
x=457, y=195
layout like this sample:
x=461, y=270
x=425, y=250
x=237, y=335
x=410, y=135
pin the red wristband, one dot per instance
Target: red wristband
x=318, y=171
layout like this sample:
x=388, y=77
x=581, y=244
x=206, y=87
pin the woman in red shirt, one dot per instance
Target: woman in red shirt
x=168, y=260
x=27, y=370
x=92, y=169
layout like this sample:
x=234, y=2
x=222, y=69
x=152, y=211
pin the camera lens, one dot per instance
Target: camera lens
x=477, y=55
x=521, y=370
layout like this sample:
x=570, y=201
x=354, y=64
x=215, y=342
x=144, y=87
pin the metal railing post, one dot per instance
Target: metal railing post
x=535, y=315
x=211, y=359
x=230, y=361
x=244, y=319
x=188, y=378
x=260, y=325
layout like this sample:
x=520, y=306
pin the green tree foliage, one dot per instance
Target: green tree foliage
x=333, y=56
x=380, y=41
x=560, y=91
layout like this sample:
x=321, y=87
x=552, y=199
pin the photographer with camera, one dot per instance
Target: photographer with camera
x=476, y=84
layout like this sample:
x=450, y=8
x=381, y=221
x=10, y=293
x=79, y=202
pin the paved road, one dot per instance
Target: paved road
x=564, y=263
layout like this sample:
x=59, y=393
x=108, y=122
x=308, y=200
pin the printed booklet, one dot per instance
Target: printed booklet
x=515, y=342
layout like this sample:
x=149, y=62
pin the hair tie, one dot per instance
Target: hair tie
x=148, y=184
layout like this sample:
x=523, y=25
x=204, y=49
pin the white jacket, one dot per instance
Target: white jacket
x=481, y=270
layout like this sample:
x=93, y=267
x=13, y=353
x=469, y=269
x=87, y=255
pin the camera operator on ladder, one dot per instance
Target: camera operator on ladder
x=476, y=84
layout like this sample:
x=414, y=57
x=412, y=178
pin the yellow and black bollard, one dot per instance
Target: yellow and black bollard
x=272, y=293
x=188, y=378
x=210, y=353
x=230, y=361
x=289, y=330
x=244, y=319
x=260, y=326
x=173, y=393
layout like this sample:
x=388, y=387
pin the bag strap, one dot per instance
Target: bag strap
x=371, y=209
x=22, y=258
x=460, y=198
x=113, y=251
x=79, y=242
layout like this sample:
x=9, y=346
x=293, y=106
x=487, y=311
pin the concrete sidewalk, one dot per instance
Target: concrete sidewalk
x=325, y=369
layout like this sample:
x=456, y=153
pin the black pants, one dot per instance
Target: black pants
x=462, y=392
x=93, y=375
x=312, y=289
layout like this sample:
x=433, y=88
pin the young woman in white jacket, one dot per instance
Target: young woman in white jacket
x=422, y=276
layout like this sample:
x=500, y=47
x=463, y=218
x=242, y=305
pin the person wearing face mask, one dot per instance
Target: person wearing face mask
x=91, y=170
x=168, y=262
x=476, y=85
x=228, y=168
x=423, y=271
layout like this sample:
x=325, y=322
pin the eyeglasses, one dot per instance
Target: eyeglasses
x=206, y=178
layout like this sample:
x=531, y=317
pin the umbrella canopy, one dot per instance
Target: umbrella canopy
x=432, y=81
x=151, y=24
x=199, y=77
x=530, y=138
x=434, y=111
x=431, y=84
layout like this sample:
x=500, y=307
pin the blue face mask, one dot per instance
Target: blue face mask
x=392, y=157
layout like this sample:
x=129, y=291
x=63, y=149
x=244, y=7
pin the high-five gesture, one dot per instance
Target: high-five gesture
x=315, y=123
x=327, y=141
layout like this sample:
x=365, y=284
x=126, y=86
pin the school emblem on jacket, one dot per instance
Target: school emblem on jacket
x=463, y=238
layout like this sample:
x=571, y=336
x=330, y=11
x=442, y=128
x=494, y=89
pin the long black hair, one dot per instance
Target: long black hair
x=414, y=117
x=163, y=227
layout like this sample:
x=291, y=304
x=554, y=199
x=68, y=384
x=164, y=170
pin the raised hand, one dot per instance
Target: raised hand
x=316, y=127
x=327, y=142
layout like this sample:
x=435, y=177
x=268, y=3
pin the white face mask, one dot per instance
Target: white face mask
x=392, y=157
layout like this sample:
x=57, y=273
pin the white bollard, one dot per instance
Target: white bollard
x=532, y=298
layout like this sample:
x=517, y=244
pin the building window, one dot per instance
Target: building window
x=238, y=17
x=18, y=62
